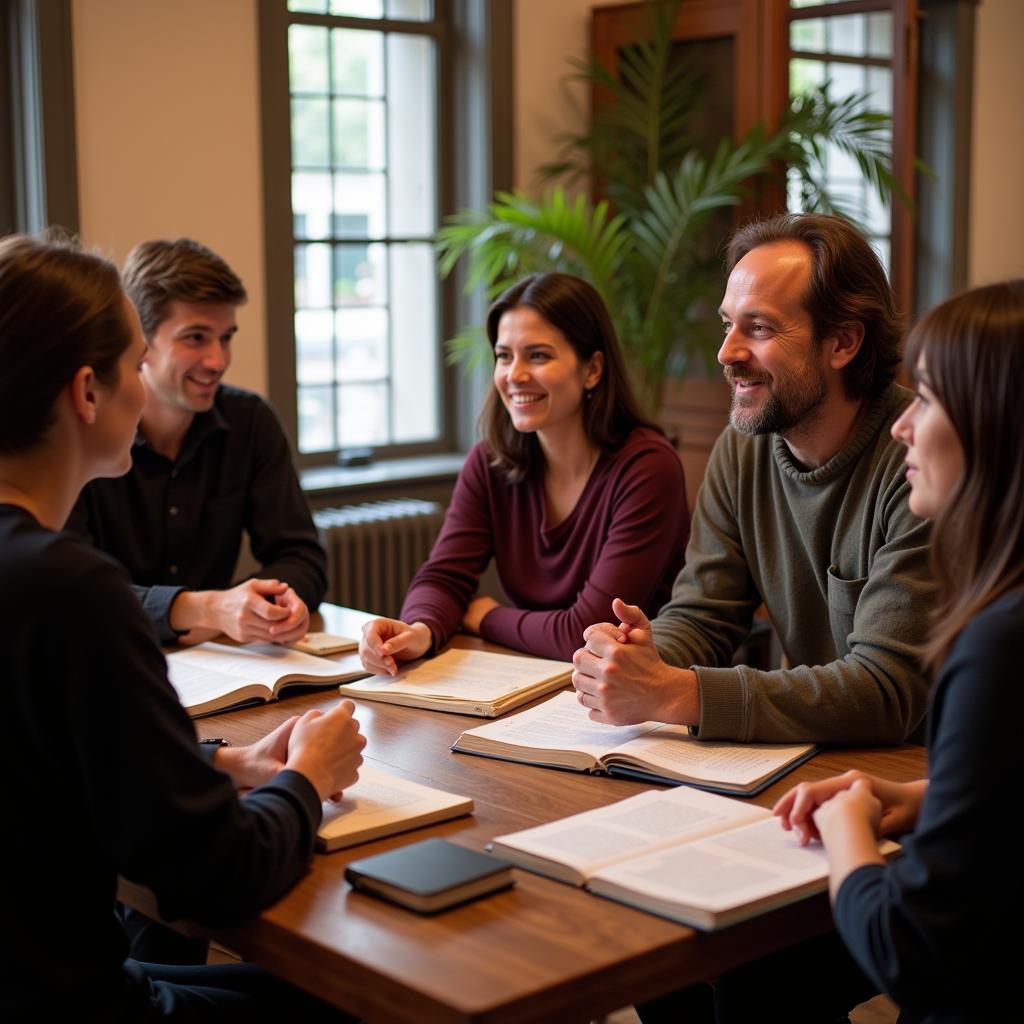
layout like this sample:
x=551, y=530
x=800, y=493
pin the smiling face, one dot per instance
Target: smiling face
x=189, y=352
x=935, y=455
x=770, y=358
x=538, y=375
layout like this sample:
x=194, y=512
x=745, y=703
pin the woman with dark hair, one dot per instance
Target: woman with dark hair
x=572, y=491
x=929, y=929
x=92, y=732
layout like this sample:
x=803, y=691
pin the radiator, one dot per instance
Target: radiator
x=374, y=549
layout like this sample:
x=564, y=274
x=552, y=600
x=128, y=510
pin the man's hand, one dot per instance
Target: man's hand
x=621, y=678
x=326, y=747
x=899, y=803
x=386, y=642
x=259, y=762
x=475, y=613
x=267, y=610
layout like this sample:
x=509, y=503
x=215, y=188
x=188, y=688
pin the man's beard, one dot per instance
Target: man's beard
x=789, y=402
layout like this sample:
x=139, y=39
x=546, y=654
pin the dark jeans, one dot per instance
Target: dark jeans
x=226, y=992
x=815, y=982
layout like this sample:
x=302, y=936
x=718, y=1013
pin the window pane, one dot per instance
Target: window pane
x=310, y=133
x=362, y=414
x=311, y=205
x=413, y=10
x=307, y=58
x=362, y=336
x=359, y=134
x=417, y=360
x=880, y=35
x=312, y=276
x=314, y=346
x=357, y=62
x=358, y=8
x=805, y=75
x=359, y=208
x=316, y=419
x=360, y=275
x=808, y=35
x=846, y=35
x=308, y=6
x=411, y=133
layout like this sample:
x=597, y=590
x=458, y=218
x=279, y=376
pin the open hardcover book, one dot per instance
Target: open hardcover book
x=214, y=677
x=559, y=734
x=380, y=805
x=704, y=860
x=467, y=682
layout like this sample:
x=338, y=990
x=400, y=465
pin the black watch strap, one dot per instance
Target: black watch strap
x=216, y=741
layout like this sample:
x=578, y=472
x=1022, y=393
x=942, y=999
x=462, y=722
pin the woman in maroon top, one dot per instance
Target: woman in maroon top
x=576, y=496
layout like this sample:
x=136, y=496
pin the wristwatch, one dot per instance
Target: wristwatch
x=215, y=741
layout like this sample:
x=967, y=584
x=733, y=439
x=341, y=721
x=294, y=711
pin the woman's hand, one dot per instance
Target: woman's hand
x=386, y=642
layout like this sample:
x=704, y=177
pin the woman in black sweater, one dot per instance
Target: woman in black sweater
x=928, y=929
x=104, y=775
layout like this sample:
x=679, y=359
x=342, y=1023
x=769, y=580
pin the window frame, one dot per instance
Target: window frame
x=472, y=163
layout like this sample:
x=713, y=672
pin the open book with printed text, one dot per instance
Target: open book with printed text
x=214, y=677
x=559, y=734
x=703, y=860
x=467, y=682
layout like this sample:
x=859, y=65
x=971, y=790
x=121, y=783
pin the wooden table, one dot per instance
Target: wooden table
x=542, y=951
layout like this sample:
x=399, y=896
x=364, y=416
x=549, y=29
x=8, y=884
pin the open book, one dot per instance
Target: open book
x=558, y=734
x=213, y=677
x=380, y=805
x=467, y=682
x=697, y=858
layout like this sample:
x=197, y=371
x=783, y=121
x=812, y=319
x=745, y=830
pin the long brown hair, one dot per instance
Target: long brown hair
x=574, y=308
x=848, y=284
x=973, y=352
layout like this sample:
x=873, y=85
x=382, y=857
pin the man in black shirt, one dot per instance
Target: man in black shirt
x=209, y=462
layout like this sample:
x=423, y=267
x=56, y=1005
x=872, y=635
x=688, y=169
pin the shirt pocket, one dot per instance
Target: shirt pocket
x=843, y=596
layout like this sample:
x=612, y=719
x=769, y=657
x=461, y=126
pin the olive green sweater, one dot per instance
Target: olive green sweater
x=841, y=564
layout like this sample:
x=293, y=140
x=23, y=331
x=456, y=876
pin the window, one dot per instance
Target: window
x=363, y=94
x=866, y=47
x=851, y=54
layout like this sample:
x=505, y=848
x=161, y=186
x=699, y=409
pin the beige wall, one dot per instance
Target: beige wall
x=997, y=163
x=168, y=138
x=169, y=141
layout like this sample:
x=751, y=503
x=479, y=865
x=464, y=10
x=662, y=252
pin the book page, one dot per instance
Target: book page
x=196, y=685
x=560, y=723
x=723, y=871
x=253, y=663
x=630, y=828
x=379, y=799
x=480, y=676
x=671, y=748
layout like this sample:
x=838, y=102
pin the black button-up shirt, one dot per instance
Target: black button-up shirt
x=177, y=525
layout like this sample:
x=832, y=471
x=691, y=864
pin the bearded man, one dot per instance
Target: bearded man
x=804, y=508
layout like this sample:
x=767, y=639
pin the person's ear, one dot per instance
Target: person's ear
x=84, y=390
x=844, y=343
x=595, y=370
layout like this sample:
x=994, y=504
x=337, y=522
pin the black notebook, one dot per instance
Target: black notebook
x=429, y=876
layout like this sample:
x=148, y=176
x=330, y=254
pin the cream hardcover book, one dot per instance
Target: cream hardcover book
x=466, y=682
x=214, y=677
x=380, y=804
x=703, y=860
x=559, y=734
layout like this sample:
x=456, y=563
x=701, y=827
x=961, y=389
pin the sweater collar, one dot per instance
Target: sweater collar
x=878, y=413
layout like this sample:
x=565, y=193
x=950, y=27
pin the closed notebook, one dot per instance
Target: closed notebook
x=430, y=875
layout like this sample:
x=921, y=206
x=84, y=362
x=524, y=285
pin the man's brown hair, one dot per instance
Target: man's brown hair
x=848, y=285
x=160, y=272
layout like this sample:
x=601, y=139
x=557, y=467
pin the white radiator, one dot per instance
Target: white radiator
x=374, y=549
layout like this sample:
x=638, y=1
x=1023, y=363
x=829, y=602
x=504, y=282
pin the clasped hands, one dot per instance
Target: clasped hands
x=620, y=677
x=255, y=609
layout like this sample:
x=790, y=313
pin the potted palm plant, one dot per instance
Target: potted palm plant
x=645, y=245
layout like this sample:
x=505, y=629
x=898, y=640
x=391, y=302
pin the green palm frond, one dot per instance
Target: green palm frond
x=469, y=349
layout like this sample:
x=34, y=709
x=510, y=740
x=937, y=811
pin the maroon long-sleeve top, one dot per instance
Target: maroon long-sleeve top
x=625, y=538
